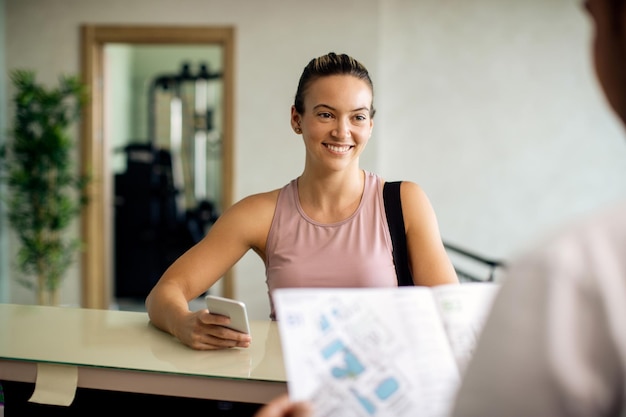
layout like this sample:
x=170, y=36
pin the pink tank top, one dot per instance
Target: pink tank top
x=355, y=252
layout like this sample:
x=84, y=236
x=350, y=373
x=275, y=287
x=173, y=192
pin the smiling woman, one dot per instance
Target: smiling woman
x=326, y=228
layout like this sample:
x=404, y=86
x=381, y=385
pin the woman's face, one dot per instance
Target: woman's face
x=336, y=123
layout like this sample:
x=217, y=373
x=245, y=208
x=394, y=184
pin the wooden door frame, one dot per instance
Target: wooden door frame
x=96, y=224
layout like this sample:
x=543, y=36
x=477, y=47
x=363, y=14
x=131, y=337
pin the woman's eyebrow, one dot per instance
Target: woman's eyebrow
x=326, y=106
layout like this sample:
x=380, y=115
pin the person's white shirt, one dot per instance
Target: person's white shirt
x=555, y=341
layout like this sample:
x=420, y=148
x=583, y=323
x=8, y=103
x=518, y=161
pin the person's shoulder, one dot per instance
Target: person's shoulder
x=406, y=186
x=606, y=216
x=411, y=186
x=412, y=193
x=251, y=212
x=259, y=200
x=592, y=241
x=604, y=223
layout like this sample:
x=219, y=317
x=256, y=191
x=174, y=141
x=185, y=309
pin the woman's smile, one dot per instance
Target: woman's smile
x=338, y=149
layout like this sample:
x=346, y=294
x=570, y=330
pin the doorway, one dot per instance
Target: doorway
x=96, y=146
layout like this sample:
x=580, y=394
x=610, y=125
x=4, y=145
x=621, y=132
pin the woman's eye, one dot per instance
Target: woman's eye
x=325, y=115
x=361, y=117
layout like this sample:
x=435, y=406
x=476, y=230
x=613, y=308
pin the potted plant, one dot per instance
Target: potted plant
x=45, y=191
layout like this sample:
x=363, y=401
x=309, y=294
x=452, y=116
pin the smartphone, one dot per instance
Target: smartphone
x=234, y=309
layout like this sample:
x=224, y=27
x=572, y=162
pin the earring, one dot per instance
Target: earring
x=298, y=130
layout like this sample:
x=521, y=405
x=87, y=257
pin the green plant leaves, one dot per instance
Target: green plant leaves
x=45, y=190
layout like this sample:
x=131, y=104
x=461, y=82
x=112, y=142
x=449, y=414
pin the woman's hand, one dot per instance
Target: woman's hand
x=281, y=406
x=202, y=330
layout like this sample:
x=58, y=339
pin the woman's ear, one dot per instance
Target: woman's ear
x=296, y=120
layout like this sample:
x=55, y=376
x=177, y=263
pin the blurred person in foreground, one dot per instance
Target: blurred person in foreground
x=555, y=341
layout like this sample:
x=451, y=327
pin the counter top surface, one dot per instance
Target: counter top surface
x=126, y=340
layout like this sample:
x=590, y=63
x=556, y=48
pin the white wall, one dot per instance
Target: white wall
x=491, y=105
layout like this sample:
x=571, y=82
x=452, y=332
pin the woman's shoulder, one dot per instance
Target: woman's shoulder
x=252, y=213
x=411, y=192
x=411, y=186
x=258, y=201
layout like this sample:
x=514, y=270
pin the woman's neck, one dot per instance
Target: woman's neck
x=331, y=198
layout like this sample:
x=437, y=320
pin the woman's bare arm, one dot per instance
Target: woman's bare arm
x=242, y=227
x=428, y=258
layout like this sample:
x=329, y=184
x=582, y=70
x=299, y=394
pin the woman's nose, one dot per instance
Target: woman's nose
x=342, y=129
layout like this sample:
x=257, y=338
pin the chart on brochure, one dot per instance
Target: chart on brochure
x=368, y=352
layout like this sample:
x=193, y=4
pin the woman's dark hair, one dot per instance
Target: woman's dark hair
x=331, y=64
